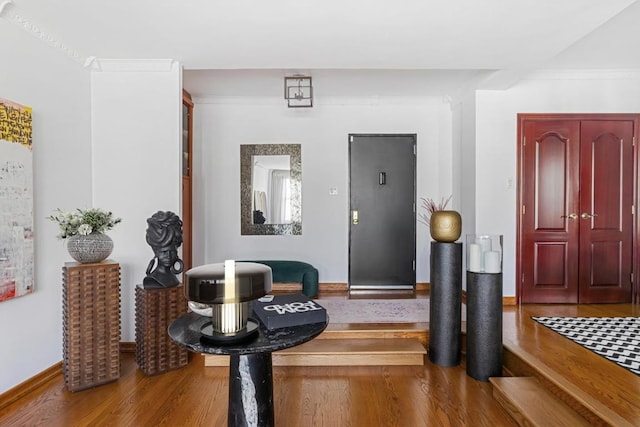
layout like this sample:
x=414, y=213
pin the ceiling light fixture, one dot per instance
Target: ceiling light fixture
x=298, y=91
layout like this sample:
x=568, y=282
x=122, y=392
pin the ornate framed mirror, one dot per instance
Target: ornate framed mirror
x=270, y=189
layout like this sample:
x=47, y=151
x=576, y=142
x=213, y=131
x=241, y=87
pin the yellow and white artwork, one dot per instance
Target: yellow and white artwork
x=16, y=200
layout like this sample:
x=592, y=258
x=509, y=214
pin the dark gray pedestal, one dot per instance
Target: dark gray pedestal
x=445, y=304
x=484, y=325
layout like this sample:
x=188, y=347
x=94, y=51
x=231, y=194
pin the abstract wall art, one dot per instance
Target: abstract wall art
x=16, y=201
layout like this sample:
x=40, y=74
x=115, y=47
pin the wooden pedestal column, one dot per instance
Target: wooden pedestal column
x=91, y=324
x=156, y=309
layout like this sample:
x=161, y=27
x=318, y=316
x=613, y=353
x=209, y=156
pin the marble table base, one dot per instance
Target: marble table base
x=250, y=369
x=250, y=390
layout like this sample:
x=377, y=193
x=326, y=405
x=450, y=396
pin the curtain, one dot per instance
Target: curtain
x=260, y=201
x=280, y=198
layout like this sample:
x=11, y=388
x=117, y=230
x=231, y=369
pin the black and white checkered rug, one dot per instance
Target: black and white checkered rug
x=615, y=338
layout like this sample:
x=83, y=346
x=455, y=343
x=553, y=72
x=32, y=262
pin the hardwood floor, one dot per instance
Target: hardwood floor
x=346, y=396
x=574, y=373
x=303, y=396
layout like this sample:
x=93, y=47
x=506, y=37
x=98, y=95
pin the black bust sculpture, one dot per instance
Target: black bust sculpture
x=164, y=235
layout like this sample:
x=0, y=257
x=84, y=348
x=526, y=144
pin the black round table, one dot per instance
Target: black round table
x=250, y=368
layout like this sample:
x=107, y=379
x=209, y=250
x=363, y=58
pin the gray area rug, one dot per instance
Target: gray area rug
x=614, y=338
x=376, y=311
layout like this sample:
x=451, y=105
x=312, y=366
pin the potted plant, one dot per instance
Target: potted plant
x=444, y=225
x=84, y=231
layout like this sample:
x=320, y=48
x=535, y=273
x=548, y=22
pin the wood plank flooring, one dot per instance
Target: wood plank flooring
x=303, y=396
x=591, y=381
x=343, y=396
x=534, y=403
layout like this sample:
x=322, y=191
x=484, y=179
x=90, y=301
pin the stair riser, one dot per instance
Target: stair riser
x=421, y=336
x=530, y=404
x=348, y=360
x=516, y=366
x=342, y=352
x=331, y=360
x=510, y=408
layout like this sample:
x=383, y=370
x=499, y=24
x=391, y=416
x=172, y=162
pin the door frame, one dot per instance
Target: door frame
x=415, y=157
x=635, y=118
x=187, y=187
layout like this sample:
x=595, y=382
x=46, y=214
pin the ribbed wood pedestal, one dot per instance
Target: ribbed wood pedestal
x=156, y=309
x=91, y=324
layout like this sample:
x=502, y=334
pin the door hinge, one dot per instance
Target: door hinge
x=522, y=278
x=631, y=277
x=414, y=207
x=633, y=141
x=524, y=209
x=633, y=209
x=414, y=149
x=350, y=138
x=524, y=141
x=414, y=265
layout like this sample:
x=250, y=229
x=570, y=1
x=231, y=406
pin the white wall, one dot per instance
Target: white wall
x=496, y=134
x=223, y=123
x=464, y=128
x=57, y=88
x=136, y=135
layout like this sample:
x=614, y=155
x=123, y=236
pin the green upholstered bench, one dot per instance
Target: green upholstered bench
x=293, y=271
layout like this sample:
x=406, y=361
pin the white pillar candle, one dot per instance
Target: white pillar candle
x=475, y=255
x=485, y=246
x=230, y=279
x=485, y=243
x=492, y=262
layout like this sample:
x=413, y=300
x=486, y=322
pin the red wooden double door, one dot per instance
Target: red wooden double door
x=576, y=233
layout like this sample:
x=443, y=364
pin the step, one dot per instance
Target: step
x=340, y=352
x=519, y=363
x=370, y=331
x=530, y=404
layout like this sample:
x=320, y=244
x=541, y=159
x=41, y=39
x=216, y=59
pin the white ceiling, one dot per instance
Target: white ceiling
x=409, y=42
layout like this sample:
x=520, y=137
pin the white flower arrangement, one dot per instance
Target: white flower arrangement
x=83, y=222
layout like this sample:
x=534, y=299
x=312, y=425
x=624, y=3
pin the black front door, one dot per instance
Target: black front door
x=382, y=218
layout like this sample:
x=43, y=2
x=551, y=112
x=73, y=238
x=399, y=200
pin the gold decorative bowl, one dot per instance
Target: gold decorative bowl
x=445, y=226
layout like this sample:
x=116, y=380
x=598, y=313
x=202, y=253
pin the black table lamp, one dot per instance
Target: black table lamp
x=227, y=288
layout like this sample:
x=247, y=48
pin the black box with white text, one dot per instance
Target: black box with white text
x=288, y=310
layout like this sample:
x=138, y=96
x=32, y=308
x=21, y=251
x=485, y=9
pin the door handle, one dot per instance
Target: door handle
x=587, y=215
x=354, y=217
x=571, y=216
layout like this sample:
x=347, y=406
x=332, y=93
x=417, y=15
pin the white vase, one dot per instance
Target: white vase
x=94, y=247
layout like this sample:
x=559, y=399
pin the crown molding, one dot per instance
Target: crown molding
x=371, y=101
x=13, y=14
x=593, y=74
x=4, y=4
x=130, y=65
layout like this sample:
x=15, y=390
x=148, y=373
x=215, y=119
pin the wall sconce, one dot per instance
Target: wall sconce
x=298, y=91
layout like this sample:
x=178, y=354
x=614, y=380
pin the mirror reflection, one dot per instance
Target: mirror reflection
x=270, y=182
